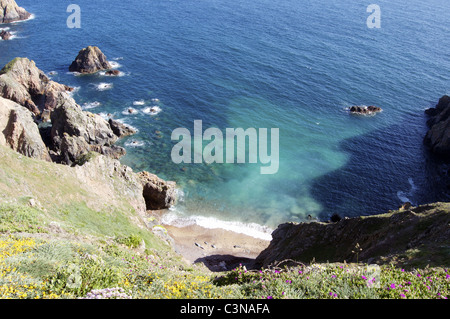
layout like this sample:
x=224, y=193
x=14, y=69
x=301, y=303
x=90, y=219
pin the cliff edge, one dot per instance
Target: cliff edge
x=416, y=235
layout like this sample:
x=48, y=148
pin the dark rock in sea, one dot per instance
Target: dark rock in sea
x=121, y=130
x=113, y=72
x=365, y=110
x=5, y=35
x=11, y=12
x=438, y=135
x=90, y=60
x=158, y=194
x=22, y=82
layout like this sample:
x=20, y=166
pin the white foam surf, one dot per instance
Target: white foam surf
x=115, y=65
x=250, y=229
x=104, y=86
x=153, y=110
x=134, y=143
x=90, y=105
x=139, y=102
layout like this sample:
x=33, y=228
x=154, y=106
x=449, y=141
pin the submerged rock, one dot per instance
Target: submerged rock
x=438, y=135
x=90, y=60
x=158, y=193
x=11, y=12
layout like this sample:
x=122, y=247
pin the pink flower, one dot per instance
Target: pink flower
x=393, y=286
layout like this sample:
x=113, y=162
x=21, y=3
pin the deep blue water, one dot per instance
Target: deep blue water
x=292, y=65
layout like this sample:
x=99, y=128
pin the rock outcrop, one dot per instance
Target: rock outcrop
x=76, y=132
x=400, y=235
x=22, y=82
x=438, y=136
x=90, y=60
x=11, y=12
x=158, y=194
x=20, y=132
x=120, y=129
x=5, y=35
x=365, y=110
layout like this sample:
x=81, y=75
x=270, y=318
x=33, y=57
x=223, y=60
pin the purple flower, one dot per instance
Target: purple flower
x=364, y=277
x=392, y=286
x=402, y=295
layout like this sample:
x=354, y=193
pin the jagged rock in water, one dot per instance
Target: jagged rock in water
x=90, y=60
x=120, y=129
x=5, y=35
x=10, y=12
x=365, y=110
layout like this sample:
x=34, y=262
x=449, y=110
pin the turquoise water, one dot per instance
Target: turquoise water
x=290, y=65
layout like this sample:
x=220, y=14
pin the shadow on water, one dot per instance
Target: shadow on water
x=365, y=186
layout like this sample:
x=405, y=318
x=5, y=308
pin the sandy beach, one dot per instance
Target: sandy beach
x=217, y=249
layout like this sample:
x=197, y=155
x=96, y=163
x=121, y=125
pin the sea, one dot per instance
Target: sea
x=293, y=65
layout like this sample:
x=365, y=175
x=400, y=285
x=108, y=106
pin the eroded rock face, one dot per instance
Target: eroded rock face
x=76, y=132
x=438, y=136
x=90, y=60
x=20, y=132
x=10, y=12
x=380, y=237
x=22, y=82
x=158, y=193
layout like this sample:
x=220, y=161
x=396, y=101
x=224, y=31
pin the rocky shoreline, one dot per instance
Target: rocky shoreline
x=39, y=119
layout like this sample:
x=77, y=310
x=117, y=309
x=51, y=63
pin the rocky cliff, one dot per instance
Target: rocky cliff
x=438, y=136
x=22, y=82
x=73, y=137
x=406, y=235
x=10, y=12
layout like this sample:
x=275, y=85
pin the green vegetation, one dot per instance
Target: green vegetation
x=8, y=66
x=35, y=267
